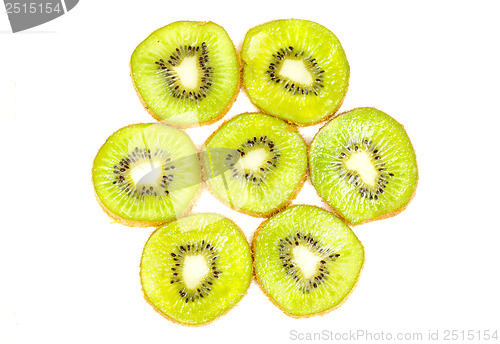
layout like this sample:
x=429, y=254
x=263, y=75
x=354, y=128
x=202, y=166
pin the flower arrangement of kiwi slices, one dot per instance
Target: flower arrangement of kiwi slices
x=307, y=260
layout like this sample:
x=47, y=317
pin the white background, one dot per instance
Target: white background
x=68, y=275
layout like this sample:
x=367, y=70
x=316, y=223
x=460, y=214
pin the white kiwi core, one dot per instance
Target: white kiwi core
x=195, y=269
x=306, y=260
x=253, y=160
x=296, y=71
x=362, y=164
x=187, y=71
x=146, y=173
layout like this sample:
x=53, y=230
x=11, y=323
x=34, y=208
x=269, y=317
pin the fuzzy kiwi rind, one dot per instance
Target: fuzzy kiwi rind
x=381, y=217
x=254, y=247
x=261, y=109
x=187, y=126
x=331, y=208
x=325, y=119
x=283, y=206
x=199, y=124
x=144, y=224
x=220, y=315
x=291, y=127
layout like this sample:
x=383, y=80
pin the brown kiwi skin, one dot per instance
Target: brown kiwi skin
x=282, y=206
x=142, y=224
x=254, y=246
x=194, y=125
x=146, y=224
x=220, y=315
x=335, y=211
x=326, y=118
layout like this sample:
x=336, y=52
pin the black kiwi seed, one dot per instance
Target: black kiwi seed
x=285, y=247
x=172, y=80
x=309, y=62
x=138, y=156
x=365, y=191
x=255, y=177
x=210, y=254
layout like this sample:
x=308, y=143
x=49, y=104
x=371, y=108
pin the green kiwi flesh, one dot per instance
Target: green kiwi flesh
x=146, y=174
x=295, y=69
x=186, y=73
x=363, y=165
x=307, y=260
x=196, y=268
x=255, y=163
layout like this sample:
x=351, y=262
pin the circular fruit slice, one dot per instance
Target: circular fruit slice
x=307, y=261
x=363, y=165
x=255, y=163
x=195, y=269
x=146, y=174
x=186, y=73
x=295, y=70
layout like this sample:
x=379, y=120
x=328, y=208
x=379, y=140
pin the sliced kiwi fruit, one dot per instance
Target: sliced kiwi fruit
x=295, y=69
x=186, y=73
x=195, y=269
x=255, y=163
x=146, y=174
x=307, y=261
x=363, y=165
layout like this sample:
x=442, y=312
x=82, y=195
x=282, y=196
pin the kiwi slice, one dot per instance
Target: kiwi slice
x=307, y=261
x=362, y=164
x=186, y=73
x=146, y=174
x=255, y=163
x=295, y=69
x=195, y=269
